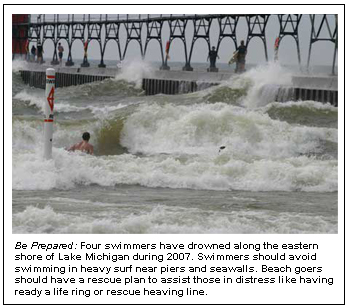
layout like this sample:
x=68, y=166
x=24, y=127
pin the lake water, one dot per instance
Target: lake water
x=157, y=167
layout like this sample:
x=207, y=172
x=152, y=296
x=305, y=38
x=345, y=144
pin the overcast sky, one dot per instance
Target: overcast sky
x=322, y=52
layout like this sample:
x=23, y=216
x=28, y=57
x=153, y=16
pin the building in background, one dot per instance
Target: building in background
x=20, y=23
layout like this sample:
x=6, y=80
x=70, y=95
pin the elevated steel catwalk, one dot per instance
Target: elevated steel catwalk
x=144, y=28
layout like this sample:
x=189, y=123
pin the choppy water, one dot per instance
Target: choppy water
x=157, y=166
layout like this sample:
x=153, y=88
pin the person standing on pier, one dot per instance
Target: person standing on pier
x=276, y=48
x=85, y=48
x=167, y=50
x=33, y=53
x=212, y=56
x=39, y=53
x=60, y=53
x=242, y=51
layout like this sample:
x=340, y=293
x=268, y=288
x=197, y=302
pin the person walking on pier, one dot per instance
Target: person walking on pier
x=60, y=53
x=212, y=56
x=242, y=51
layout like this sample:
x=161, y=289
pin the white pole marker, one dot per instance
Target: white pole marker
x=48, y=110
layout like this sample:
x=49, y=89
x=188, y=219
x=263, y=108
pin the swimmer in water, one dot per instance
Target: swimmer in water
x=83, y=145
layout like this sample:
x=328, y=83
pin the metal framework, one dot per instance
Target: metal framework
x=201, y=30
x=257, y=28
x=318, y=34
x=289, y=27
x=177, y=28
x=133, y=28
x=111, y=33
x=227, y=26
x=154, y=32
x=104, y=28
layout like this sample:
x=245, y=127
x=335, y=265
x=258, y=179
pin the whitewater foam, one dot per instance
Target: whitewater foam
x=134, y=71
x=202, y=128
x=270, y=76
x=35, y=97
x=167, y=220
x=222, y=172
x=19, y=64
x=177, y=145
x=303, y=104
x=180, y=146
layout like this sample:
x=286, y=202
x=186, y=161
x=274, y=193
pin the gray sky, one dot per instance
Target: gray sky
x=322, y=52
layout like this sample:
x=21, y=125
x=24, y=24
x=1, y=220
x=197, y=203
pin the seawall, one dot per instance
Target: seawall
x=318, y=88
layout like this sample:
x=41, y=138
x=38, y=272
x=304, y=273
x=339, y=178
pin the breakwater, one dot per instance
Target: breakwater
x=317, y=88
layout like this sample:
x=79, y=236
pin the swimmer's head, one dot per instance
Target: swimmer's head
x=86, y=136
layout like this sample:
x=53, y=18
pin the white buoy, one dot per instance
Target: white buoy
x=48, y=110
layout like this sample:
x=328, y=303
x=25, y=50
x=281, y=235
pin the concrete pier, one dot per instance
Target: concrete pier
x=318, y=88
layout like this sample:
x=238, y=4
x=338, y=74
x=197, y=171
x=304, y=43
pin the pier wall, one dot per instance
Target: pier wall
x=321, y=89
x=37, y=79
